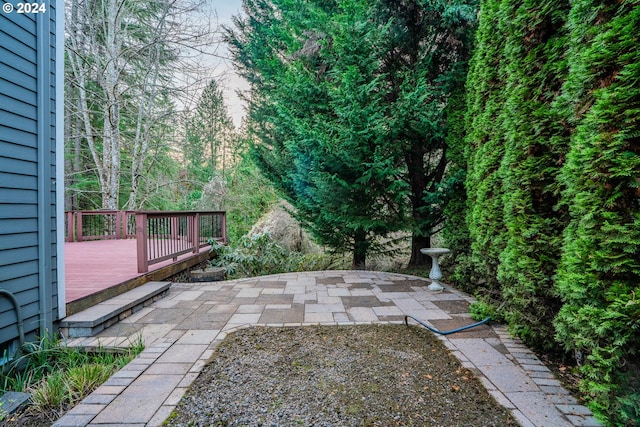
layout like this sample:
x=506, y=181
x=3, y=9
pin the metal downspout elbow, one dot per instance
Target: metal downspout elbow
x=14, y=301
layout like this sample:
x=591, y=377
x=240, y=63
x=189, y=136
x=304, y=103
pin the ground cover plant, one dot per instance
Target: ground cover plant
x=58, y=377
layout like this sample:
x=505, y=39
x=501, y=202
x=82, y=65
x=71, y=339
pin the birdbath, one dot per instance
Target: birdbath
x=435, y=274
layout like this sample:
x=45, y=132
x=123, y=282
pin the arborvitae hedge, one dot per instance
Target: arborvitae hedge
x=551, y=235
x=535, y=144
x=599, y=275
x=455, y=232
x=485, y=148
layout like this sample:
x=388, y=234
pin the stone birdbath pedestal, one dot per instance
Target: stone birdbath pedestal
x=435, y=274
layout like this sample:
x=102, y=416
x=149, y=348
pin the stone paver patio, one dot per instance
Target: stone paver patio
x=182, y=330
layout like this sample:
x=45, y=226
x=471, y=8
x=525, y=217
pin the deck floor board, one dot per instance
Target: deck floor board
x=92, y=266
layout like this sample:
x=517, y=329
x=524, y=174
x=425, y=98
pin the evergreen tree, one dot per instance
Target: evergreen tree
x=599, y=275
x=309, y=144
x=425, y=62
x=517, y=143
x=535, y=144
x=455, y=231
x=485, y=150
x=208, y=135
x=352, y=110
x=209, y=130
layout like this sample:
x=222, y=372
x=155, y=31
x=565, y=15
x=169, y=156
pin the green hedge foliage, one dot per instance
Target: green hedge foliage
x=455, y=231
x=534, y=69
x=553, y=185
x=599, y=276
x=485, y=149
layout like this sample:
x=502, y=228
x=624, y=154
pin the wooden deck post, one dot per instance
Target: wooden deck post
x=141, y=242
x=224, y=228
x=70, y=226
x=118, y=225
x=195, y=233
x=79, y=226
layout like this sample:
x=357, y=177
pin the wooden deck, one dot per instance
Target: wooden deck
x=98, y=270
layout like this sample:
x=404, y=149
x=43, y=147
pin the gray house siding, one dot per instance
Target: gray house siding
x=28, y=186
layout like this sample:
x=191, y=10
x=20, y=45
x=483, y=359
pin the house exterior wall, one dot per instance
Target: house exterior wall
x=30, y=180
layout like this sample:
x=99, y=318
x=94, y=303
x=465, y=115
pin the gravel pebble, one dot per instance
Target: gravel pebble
x=366, y=375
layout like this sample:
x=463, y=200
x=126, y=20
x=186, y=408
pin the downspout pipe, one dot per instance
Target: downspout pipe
x=45, y=182
x=18, y=309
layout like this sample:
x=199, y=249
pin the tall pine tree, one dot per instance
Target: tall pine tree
x=318, y=121
x=425, y=62
x=349, y=102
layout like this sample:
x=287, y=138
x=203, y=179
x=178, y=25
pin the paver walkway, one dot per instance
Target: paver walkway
x=182, y=330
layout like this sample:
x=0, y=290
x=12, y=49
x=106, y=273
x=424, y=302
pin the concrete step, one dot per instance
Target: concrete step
x=92, y=320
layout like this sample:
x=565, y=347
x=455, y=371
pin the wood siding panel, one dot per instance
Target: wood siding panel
x=28, y=257
x=17, y=149
x=18, y=93
x=18, y=211
x=16, y=270
x=16, y=241
x=18, y=78
x=11, y=195
x=17, y=167
x=26, y=182
x=18, y=40
x=25, y=22
x=18, y=255
x=17, y=107
x=17, y=226
x=12, y=121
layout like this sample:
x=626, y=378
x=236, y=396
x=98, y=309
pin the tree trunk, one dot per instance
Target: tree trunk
x=77, y=148
x=69, y=179
x=360, y=249
x=111, y=111
x=414, y=159
x=417, y=257
x=145, y=111
x=80, y=44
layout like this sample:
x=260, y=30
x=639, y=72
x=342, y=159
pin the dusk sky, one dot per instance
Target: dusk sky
x=225, y=9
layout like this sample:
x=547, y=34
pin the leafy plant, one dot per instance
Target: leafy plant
x=249, y=196
x=58, y=376
x=480, y=310
x=259, y=255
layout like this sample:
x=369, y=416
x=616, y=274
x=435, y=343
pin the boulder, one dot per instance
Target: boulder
x=285, y=230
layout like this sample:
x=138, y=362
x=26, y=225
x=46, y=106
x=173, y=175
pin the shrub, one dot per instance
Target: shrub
x=259, y=255
x=599, y=275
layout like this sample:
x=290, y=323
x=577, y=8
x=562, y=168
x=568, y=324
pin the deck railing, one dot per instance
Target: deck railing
x=166, y=235
x=159, y=235
x=100, y=225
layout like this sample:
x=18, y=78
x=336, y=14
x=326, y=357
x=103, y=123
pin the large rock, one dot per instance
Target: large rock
x=285, y=230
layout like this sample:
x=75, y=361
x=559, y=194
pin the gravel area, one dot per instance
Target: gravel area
x=365, y=375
